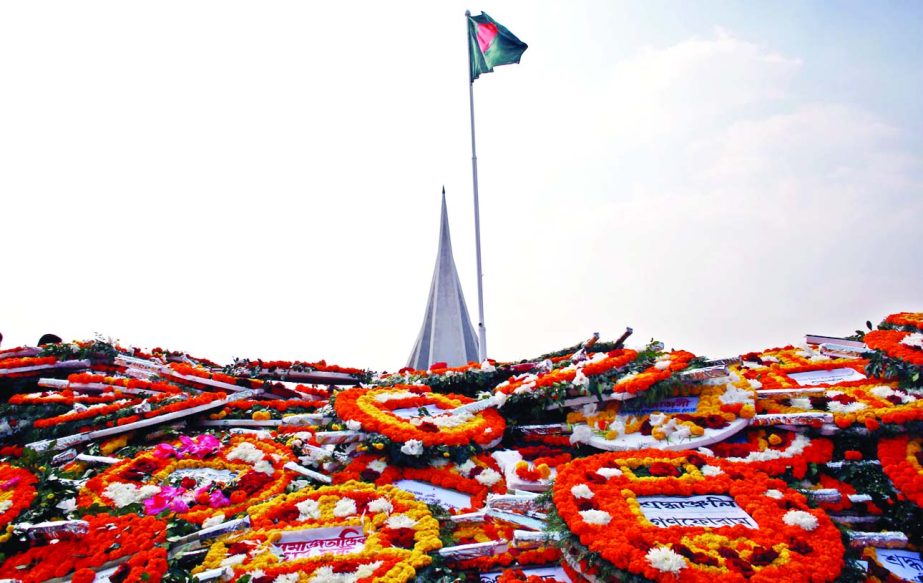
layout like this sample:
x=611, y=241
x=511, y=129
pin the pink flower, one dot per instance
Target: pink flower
x=199, y=448
x=216, y=499
x=164, y=451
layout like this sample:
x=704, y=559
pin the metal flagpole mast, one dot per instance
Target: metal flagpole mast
x=482, y=330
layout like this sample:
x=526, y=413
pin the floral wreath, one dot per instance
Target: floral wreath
x=901, y=458
x=597, y=499
x=519, y=576
x=17, y=490
x=265, y=410
x=615, y=424
x=870, y=403
x=490, y=529
x=907, y=321
x=897, y=344
x=773, y=451
x=194, y=478
x=576, y=374
x=537, y=462
x=789, y=359
x=399, y=533
x=373, y=411
x=108, y=539
x=478, y=476
x=777, y=375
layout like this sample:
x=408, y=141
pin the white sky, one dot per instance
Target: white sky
x=262, y=179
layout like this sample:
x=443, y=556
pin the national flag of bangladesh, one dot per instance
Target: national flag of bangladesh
x=491, y=45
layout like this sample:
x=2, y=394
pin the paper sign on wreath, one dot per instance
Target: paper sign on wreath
x=335, y=540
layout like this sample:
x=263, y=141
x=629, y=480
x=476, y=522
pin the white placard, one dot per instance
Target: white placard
x=671, y=405
x=826, y=377
x=711, y=511
x=414, y=412
x=334, y=540
x=904, y=564
x=434, y=494
x=555, y=573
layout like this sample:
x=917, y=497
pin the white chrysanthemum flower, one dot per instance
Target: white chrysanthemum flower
x=378, y=465
x=755, y=384
x=487, y=367
x=344, y=507
x=264, y=467
x=914, y=340
x=366, y=570
x=580, y=379
x=582, y=491
x=233, y=560
x=665, y=560
x=837, y=407
x=465, y=468
x=734, y=395
x=801, y=402
x=711, y=471
x=626, y=378
x=413, y=447
x=581, y=434
x=609, y=472
x=882, y=392
x=214, y=520
x=398, y=521
x=286, y=578
x=309, y=509
x=354, y=425
x=662, y=364
x=385, y=397
x=774, y=494
x=123, y=494
x=805, y=520
x=600, y=517
x=657, y=419
x=247, y=453
x=5, y=505
x=488, y=477
x=380, y=505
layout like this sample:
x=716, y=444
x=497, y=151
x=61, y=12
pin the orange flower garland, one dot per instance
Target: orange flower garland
x=399, y=533
x=109, y=538
x=597, y=498
x=374, y=410
x=491, y=529
x=193, y=371
x=477, y=477
x=897, y=344
x=908, y=320
x=165, y=477
x=901, y=458
x=777, y=376
x=17, y=490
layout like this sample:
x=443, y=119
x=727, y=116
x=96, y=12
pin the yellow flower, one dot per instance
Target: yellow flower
x=261, y=416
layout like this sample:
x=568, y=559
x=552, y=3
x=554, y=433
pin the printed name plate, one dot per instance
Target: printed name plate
x=336, y=540
x=434, y=494
x=905, y=564
x=671, y=405
x=827, y=377
x=711, y=511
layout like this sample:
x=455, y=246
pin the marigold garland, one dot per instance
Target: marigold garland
x=400, y=532
x=374, y=410
x=478, y=476
x=109, y=538
x=599, y=364
x=897, y=344
x=909, y=321
x=255, y=467
x=488, y=530
x=17, y=491
x=901, y=459
x=597, y=499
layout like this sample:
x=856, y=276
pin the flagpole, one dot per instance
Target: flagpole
x=482, y=330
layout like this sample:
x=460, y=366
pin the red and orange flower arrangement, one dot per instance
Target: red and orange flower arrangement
x=17, y=490
x=194, y=478
x=598, y=499
x=901, y=458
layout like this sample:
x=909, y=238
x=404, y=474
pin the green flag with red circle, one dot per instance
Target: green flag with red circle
x=491, y=45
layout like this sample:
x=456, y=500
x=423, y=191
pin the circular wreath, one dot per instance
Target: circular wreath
x=478, y=476
x=374, y=411
x=774, y=451
x=399, y=533
x=788, y=359
x=719, y=410
x=131, y=539
x=901, y=458
x=17, y=491
x=897, y=344
x=869, y=403
x=597, y=498
x=195, y=478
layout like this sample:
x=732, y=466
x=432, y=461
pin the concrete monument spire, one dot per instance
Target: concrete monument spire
x=447, y=334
